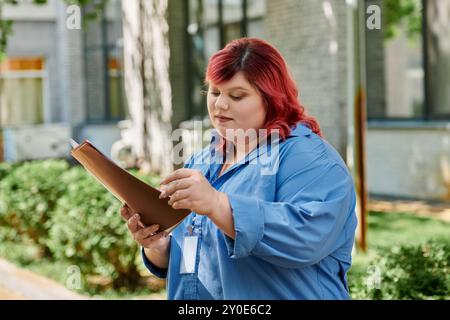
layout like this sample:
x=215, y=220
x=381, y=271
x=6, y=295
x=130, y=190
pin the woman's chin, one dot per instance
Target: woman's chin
x=223, y=127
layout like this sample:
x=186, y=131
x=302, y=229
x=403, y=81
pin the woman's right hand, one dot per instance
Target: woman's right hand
x=147, y=237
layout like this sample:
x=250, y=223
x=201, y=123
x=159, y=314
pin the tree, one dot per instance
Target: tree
x=402, y=13
x=438, y=62
x=5, y=30
x=147, y=85
x=146, y=66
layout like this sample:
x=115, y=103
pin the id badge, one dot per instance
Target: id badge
x=189, y=254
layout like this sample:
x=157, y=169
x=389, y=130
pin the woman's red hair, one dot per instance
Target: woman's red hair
x=264, y=68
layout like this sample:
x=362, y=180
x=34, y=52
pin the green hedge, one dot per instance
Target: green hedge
x=5, y=169
x=87, y=230
x=71, y=218
x=28, y=197
x=407, y=272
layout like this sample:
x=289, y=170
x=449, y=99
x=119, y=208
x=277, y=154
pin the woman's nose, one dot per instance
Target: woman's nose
x=221, y=103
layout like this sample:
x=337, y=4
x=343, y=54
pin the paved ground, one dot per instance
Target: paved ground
x=6, y=294
x=17, y=283
x=435, y=210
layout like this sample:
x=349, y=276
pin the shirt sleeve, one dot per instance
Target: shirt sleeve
x=159, y=272
x=302, y=226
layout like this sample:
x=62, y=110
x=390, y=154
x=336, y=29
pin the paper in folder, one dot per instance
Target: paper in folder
x=139, y=196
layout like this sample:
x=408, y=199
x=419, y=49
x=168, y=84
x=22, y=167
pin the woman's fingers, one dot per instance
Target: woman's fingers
x=172, y=187
x=181, y=204
x=178, y=195
x=146, y=232
x=147, y=242
x=125, y=212
x=133, y=223
x=177, y=174
x=145, y=236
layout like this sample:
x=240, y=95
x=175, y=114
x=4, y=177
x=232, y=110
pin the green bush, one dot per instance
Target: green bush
x=5, y=231
x=5, y=169
x=28, y=196
x=407, y=272
x=63, y=214
x=88, y=231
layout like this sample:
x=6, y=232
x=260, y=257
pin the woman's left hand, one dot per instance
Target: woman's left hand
x=189, y=189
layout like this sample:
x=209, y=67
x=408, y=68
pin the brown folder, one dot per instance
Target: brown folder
x=139, y=196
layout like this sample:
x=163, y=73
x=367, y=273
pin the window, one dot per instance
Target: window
x=411, y=80
x=256, y=9
x=116, y=89
x=211, y=25
x=233, y=24
x=22, y=82
x=103, y=67
x=437, y=37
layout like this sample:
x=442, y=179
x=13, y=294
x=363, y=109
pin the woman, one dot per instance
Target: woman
x=264, y=225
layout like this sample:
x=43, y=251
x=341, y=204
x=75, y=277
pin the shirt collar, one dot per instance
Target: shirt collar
x=217, y=157
x=298, y=130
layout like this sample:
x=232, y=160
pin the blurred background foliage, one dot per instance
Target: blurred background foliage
x=53, y=213
x=402, y=13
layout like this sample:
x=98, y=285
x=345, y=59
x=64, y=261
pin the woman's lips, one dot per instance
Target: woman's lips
x=222, y=119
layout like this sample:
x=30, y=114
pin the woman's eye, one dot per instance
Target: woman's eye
x=235, y=98
x=215, y=94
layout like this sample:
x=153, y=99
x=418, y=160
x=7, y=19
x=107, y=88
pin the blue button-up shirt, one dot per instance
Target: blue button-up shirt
x=294, y=217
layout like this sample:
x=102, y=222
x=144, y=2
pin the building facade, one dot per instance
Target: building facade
x=59, y=82
x=405, y=68
x=406, y=72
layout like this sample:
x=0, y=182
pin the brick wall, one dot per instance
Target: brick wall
x=311, y=35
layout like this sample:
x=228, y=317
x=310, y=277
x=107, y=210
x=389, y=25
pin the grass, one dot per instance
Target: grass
x=394, y=228
x=386, y=229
